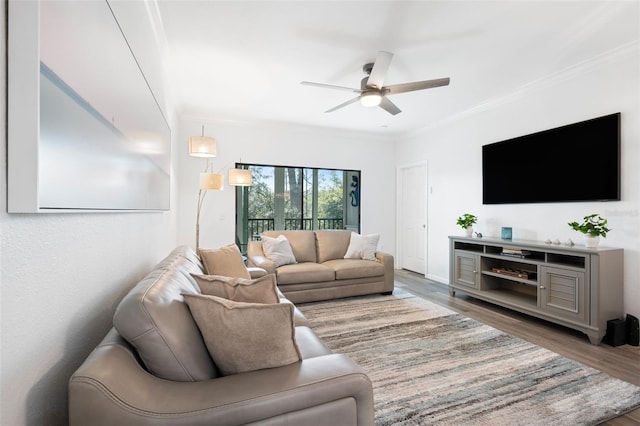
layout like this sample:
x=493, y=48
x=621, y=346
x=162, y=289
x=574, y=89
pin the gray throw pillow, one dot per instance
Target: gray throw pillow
x=278, y=250
x=245, y=337
x=362, y=246
x=259, y=290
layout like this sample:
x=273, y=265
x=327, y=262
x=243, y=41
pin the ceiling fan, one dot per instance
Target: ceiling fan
x=372, y=93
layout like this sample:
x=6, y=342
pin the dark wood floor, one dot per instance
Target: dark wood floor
x=622, y=362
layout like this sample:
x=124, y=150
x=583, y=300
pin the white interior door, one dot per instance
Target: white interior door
x=412, y=217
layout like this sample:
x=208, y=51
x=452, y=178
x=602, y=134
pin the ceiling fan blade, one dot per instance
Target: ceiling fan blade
x=344, y=104
x=416, y=85
x=389, y=106
x=330, y=86
x=379, y=70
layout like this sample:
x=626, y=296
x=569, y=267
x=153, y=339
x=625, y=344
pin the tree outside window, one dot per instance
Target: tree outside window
x=293, y=198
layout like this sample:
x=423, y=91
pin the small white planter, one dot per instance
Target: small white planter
x=590, y=241
x=468, y=231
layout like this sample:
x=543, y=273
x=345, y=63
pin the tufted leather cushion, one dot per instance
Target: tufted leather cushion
x=307, y=272
x=153, y=318
x=332, y=244
x=346, y=269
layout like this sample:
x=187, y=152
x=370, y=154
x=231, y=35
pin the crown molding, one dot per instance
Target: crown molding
x=552, y=79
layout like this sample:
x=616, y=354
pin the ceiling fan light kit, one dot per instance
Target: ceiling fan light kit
x=370, y=99
x=372, y=93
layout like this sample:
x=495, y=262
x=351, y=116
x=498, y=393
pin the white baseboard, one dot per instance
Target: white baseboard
x=438, y=279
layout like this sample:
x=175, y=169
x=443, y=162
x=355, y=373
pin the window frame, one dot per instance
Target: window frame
x=352, y=189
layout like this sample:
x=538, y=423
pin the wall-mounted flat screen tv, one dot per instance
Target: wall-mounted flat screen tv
x=572, y=163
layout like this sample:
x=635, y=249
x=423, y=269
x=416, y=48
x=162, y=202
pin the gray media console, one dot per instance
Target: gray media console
x=573, y=286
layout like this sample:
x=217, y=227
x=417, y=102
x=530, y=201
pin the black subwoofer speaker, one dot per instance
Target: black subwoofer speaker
x=633, y=335
x=616, y=332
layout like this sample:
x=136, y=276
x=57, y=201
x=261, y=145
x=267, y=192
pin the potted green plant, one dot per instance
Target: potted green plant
x=466, y=222
x=593, y=227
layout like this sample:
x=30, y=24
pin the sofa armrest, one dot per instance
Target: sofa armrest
x=111, y=387
x=256, y=257
x=256, y=272
x=388, y=262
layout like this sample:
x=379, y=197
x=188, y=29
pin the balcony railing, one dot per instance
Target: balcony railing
x=257, y=226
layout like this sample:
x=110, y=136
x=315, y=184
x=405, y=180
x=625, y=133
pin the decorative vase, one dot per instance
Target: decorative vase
x=591, y=241
x=468, y=231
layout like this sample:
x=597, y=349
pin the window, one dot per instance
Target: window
x=292, y=198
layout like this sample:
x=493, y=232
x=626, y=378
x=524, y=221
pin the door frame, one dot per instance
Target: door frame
x=399, y=205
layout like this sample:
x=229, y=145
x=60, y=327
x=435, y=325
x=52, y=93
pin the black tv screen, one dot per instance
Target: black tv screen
x=576, y=162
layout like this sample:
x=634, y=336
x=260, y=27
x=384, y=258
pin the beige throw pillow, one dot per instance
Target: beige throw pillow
x=278, y=250
x=245, y=337
x=362, y=246
x=226, y=261
x=259, y=290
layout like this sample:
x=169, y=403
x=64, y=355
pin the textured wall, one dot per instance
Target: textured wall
x=61, y=277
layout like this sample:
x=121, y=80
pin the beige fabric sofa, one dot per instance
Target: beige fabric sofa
x=321, y=272
x=154, y=368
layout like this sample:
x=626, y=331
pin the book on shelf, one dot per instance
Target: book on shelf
x=515, y=252
x=511, y=250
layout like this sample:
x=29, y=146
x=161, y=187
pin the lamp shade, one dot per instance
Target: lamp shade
x=240, y=177
x=202, y=146
x=370, y=99
x=212, y=181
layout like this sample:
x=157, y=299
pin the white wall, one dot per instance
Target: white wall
x=283, y=145
x=452, y=149
x=61, y=277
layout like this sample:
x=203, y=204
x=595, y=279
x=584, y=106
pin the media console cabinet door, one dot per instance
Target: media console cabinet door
x=562, y=293
x=466, y=269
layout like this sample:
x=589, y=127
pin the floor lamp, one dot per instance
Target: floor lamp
x=208, y=182
x=204, y=146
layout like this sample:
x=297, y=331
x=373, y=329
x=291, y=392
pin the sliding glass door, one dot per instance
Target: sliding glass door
x=293, y=198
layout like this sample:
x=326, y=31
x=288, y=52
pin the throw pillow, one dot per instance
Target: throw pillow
x=278, y=250
x=259, y=290
x=245, y=337
x=226, y=261
x=362, y=246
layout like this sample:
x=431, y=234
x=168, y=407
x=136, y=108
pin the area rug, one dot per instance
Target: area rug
x=430, y=365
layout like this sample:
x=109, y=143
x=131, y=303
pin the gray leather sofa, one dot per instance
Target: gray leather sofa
x=154, y=368
x=321, y=271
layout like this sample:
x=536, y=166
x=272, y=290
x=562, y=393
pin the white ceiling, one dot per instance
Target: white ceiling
x=244, y=60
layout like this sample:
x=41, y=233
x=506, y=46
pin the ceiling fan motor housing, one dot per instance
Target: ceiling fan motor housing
x=363, y=84
x=367, y=68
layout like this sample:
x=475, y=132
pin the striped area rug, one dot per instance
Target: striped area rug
x=430, y=365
